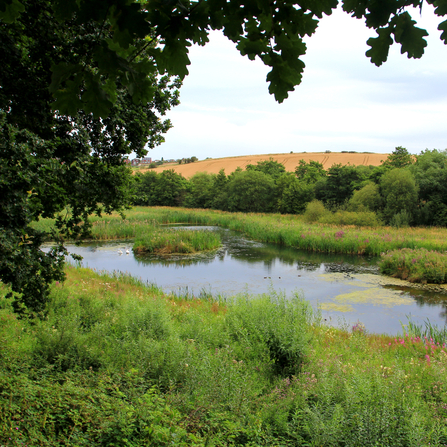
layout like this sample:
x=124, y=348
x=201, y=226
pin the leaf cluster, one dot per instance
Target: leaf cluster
x=66, y=166
x=136, y=39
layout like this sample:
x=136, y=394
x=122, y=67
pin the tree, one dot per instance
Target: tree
x=200, y=194
x=219, y=191
x=430, y=172
x=338, y=187
x=367, y=198
x=399, y=192
x=310, y=172
x=145, y=188
x=58, y=165
x=399, y=158
x=170, y=189
x=293, y=194
x=251, y=191
x=270, y=167
x=273, y=32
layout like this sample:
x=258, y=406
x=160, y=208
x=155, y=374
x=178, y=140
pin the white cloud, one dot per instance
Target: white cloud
x=343, y=103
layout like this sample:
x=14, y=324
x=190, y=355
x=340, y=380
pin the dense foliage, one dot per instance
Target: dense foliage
x=119, y=364
x=273, y=32
x=52, y=162
x=404, y=190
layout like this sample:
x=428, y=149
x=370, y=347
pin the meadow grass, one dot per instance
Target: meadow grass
x=419, y=265
x=287, y=230
x=167, y=241
x=118, y=362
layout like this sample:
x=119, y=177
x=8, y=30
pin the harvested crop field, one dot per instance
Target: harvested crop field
x=290, y=161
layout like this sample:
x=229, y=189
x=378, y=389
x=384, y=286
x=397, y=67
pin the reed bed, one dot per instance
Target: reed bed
x=287, y=230
x=419, y=265
x=175, y=241
x=292, y=231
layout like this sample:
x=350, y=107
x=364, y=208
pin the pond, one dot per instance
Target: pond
x=346, y=289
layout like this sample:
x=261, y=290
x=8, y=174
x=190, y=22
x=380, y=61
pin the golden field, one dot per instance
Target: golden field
x=289, y=160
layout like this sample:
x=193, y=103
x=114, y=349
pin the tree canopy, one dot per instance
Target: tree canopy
x=271, y=31
x=64, y=166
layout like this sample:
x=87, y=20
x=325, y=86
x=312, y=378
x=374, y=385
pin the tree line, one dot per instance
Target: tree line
x=403, y=190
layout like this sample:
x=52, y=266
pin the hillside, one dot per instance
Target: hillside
x=290, y=161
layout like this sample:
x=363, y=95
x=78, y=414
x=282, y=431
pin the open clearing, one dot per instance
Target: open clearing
x=290, y=161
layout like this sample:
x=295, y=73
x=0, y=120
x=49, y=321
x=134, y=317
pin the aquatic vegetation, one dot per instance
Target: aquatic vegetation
x=288, y=230
x=415, y=265
x=166, y=241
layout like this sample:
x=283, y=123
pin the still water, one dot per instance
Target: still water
x=346, y=289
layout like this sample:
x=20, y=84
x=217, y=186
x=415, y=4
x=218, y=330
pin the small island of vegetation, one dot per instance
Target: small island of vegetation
x=168, y=241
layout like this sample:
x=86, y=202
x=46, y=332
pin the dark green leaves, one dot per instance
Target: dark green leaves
x=283, y=78
x=68, y=165
x=380, y=46
x=10, y=10
x=409, y=36
x=405, y=32
x=174, y=57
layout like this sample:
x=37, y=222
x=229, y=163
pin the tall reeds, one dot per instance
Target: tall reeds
x=170, y=241
x=287, y=230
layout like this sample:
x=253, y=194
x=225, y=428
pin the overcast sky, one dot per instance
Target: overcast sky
x=343, y=103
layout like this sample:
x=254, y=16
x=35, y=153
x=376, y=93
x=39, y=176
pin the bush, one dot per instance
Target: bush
x=366, y=199
x=401, y=220
x=273, y=328
x=314, y=211
x=360, y=218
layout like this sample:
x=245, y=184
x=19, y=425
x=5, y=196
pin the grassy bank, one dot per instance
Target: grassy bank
x=287, y=230
x=118, y=363
x=418, y=265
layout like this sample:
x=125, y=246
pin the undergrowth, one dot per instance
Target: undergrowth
x=419, y=265
x=118, y=363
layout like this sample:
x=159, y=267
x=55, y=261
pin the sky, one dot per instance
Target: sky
x=344, y=103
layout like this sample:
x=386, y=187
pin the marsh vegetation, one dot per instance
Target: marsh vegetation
x=116, y=362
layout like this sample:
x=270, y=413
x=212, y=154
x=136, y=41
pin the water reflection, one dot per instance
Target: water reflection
x=344, y=287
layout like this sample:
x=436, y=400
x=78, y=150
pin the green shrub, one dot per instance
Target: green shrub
x=273, y=328
x=359, y=218
x=401, y=220
x=315, y=210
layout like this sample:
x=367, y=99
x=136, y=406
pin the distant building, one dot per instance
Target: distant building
x=146, y=161
x=127, y=161
x=135, y=162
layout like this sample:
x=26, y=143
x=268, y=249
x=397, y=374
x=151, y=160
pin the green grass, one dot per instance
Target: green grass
x=287, y=230
x=175, y=241
x=419, y=265
x=117, y=362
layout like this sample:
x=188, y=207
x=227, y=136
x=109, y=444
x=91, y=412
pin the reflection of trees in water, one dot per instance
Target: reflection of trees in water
x=252, y=252
x=247, y=250
x=425, y=298
x=178, y=261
